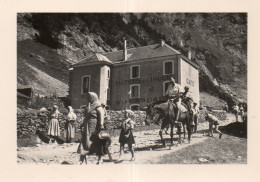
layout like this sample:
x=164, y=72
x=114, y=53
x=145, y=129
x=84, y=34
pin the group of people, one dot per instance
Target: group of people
x=54, y=128
x=238, y=110
x=94, y=138
x=176, y=94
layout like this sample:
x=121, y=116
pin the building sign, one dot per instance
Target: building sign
x=139, y=81
x=142, y=100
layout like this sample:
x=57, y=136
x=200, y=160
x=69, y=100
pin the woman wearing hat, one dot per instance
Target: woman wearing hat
x=91, y=128
x=54, y=128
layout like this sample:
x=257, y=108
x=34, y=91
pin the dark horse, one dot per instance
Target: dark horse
x=167, y=112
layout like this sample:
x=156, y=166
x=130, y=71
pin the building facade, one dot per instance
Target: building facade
x=131, y=78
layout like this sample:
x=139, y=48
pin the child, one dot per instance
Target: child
x=212, y=121
x=126, y=135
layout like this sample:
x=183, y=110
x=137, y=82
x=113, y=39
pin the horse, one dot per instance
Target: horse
x=167, y=112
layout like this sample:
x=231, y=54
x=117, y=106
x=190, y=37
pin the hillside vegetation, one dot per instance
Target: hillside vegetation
x=48, y=43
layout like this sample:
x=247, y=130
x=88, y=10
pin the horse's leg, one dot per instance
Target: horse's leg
x=162, y=139
x=184, y=130
x=179, y=132
x=164, y=124
x=172, y=127
x=190, y=125
x=189, y=132
x=196, y=124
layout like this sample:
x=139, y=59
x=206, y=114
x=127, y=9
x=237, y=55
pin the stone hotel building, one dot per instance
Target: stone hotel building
x=131, y=78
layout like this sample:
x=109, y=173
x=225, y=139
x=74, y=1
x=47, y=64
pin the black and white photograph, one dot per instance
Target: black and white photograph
x=132, y=88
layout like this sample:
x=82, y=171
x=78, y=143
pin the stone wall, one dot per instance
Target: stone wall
x=29, y=122
x=115, y=117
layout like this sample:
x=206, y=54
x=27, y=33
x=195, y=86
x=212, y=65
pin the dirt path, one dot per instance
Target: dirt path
x=147, y=150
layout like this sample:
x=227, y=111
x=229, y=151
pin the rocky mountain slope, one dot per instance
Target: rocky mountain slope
x=48, y=43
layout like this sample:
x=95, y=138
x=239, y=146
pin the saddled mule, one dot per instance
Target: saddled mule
x=167, y=112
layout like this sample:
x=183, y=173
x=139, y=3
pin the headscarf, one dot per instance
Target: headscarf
x=70, y=109
x=55, y=107
x=93, y=101
x=129, y=113
x=172, y=80
x=55, y=112
x=71, y=115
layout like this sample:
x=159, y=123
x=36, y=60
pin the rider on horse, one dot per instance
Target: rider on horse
x=176, y=94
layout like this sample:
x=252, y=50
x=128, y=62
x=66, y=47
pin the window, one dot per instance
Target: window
x=108, y=73
x=165, y=87
x=168, y=68
x=134, y=107
x=135, y=71
x=108, y=94
x=85, y=86
x=135, y=91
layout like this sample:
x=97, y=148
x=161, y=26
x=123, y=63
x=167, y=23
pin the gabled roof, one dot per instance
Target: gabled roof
x=133, y=54
x=94, y=58
x=140, y=53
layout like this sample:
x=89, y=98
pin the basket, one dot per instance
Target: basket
x=103, y=135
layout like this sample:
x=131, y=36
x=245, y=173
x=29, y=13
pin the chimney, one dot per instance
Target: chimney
x=189, y=54
x=162, y=43
x=125, y=51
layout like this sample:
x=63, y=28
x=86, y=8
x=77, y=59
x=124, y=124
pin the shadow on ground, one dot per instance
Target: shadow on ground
x=151, y=147
x=237, y=129
x=158, y=145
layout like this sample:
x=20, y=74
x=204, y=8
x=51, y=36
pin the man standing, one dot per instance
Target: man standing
x=241, y=111
x=196, y=116
x=236, y=111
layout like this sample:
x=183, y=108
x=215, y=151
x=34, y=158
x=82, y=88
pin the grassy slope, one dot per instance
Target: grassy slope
x=211, y=101
x=227, y=150
x=42, y=68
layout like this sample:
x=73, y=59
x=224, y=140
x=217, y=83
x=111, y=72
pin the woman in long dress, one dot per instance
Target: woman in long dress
x=92, y=126
x=54, y=128
x=70, y=125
